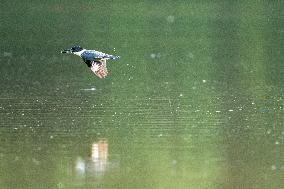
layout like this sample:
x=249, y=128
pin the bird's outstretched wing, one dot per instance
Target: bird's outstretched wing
x=99, y=68
x=98, y=55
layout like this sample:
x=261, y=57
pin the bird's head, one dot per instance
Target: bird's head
x=73, y=50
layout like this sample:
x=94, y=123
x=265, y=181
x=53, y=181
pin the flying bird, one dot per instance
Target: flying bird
x=95, y=60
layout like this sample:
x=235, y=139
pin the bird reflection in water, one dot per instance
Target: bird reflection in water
x=96, y=162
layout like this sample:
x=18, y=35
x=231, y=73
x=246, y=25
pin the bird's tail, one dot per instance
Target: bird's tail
x=112, y=57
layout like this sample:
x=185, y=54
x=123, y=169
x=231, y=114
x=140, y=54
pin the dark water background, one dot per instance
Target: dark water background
x=196, y=101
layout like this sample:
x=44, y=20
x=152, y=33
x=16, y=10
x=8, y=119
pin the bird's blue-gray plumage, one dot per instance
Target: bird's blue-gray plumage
x=95, y=60
x=89, y=56
x=92, y=55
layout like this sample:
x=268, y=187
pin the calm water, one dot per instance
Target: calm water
x=196, y=101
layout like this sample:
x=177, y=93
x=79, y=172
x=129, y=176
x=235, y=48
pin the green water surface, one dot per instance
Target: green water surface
x=196, y=100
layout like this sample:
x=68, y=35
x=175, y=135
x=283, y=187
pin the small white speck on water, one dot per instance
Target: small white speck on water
x=273, y=167
x=204, y=81
x=180, y=95
x=23, y=114
x=160, y=135
x=277, y=142
x=190, y=55
x=35, y=161
x=217, y=111
x=89, y=89
x=60, y=185
x=252, y=103
x=15, y=128
x=230, y=110
x=7, y=54
x=153, y=55
x=170, y=19
x=114, y=49
x=51, y=137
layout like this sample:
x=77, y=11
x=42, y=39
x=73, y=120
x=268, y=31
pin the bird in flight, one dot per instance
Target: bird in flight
x=95, y=60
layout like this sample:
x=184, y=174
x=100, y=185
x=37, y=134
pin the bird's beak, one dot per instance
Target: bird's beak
x=66, y=51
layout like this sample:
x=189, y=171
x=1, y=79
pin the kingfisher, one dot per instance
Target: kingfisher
x=95, y=60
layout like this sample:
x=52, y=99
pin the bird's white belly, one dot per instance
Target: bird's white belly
x=95, y=67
